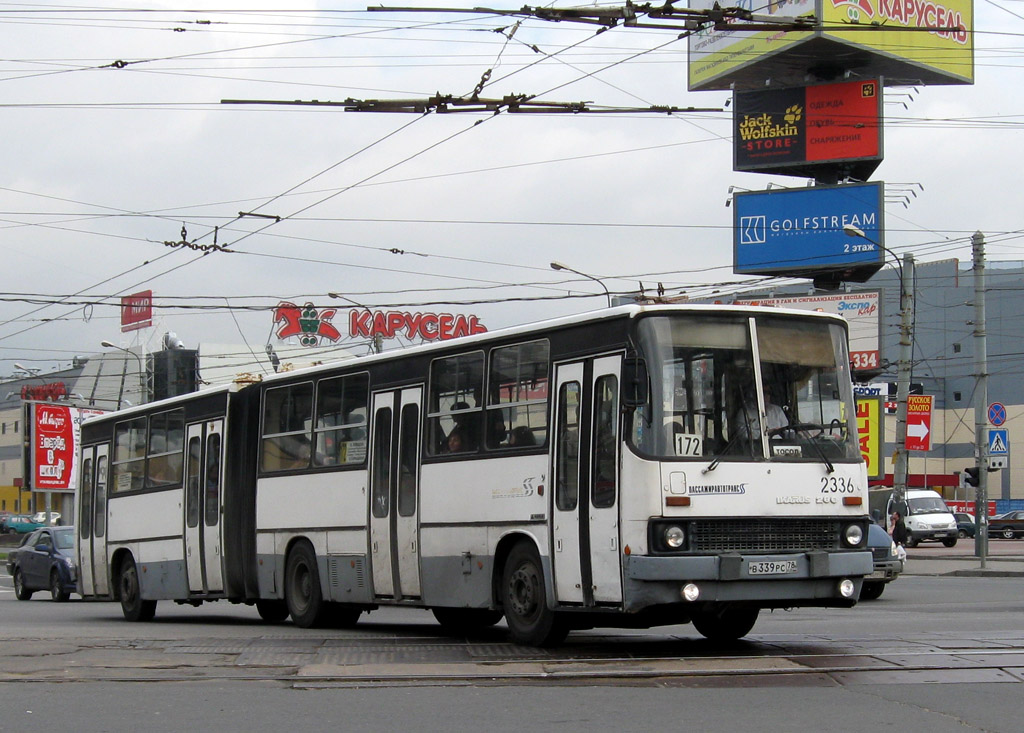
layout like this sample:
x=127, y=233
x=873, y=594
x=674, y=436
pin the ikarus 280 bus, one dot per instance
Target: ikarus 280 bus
x=630, y=467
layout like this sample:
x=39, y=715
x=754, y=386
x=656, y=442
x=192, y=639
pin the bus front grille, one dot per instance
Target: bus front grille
x=764, y=535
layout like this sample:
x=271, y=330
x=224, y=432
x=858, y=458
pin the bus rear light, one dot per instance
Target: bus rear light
x=852, y=501
x=677, y=501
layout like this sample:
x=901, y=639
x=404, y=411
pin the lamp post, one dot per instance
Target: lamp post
x=143, y=382
x=560, y=266
x=906, y=275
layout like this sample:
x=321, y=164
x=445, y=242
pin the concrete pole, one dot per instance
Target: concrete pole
x=980, y=399
x=899, y=454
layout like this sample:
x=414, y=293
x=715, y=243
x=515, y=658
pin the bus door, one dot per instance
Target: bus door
x=585, y=525
x=394, y=493
x=92, y=522
x=203, y=491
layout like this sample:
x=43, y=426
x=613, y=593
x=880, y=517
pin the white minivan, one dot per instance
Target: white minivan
x=927, y=518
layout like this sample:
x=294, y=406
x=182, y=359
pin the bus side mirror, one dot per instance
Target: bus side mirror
x=635, y=382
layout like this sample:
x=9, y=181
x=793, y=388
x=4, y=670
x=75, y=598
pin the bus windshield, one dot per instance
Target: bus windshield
x=739, y=387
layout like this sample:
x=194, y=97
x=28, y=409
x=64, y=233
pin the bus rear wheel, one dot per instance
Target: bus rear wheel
x=302, y=587
x=272, y=611
x=525, y=603
x=132, y=605
x=725, y=624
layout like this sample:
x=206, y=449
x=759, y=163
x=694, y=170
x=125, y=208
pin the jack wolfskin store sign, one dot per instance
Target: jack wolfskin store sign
x=804, y=130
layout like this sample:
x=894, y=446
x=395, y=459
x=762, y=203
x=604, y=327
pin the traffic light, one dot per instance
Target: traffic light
x=972, y=479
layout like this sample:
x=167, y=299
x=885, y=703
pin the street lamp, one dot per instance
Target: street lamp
x=560, y=266
x=143, y=391
x=906, y=275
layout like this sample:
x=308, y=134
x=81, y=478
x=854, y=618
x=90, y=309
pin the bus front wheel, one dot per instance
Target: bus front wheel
x=133, y=606
x=302, y=587
x=725, y=624
x=524, y=600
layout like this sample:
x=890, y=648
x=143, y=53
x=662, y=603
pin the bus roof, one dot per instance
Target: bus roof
x=595, y=316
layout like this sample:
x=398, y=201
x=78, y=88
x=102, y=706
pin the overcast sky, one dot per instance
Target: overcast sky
x=116, y=139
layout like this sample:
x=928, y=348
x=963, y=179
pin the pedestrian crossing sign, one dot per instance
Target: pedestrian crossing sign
x=998, y=442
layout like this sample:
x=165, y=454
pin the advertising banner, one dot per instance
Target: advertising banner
x=926, y=41
x=861, y=309
x=137, y=311
x=901, y=30
x=919, y=422
x=799, y=231
x=801, y=130
x=425, y=326
x=869, y=434
x=56, y=433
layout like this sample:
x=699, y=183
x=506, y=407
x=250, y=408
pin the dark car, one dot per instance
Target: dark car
x=45, y=561
x=887, y=563
x=964, y=524
x=1007, y=525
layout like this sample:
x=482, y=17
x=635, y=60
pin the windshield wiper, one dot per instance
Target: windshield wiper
x=717, y=458
x=806, y=428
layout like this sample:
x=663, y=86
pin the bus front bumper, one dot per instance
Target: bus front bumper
x=770, y=581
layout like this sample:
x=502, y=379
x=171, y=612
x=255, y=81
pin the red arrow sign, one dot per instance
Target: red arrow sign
x=919, y=422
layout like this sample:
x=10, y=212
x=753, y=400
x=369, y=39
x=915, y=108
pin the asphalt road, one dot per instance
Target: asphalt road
x=936, y=653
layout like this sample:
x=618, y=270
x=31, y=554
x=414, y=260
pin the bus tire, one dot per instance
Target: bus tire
x=302, y=590
x=132, y=605
x=725, y=623
x=466, y=620
x=272, y=611
x=524, y=600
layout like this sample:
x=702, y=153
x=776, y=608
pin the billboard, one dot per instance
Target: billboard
x=802, y=131
x=799, y=231
x=862, y=311
x=425, y=326
x=869, y=434
x=137, y=311
x=56, y=433
x=902, y=42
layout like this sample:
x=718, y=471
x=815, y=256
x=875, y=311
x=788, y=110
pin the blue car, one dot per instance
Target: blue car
x=45, y=561
x=21, y=524
x=886, y=561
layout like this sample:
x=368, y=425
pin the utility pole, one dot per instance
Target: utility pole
x=899, y=454
x=980, y=400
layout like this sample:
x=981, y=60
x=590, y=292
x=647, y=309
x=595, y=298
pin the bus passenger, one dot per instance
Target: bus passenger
x=456, y=442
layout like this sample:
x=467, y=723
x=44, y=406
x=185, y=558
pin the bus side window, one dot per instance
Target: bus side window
x=455, y=411
x=287, y=417
x=517, y=396
x=341, y=420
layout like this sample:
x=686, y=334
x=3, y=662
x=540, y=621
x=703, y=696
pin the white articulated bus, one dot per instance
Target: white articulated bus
x=630, y=467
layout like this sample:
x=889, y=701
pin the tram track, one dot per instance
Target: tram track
x=354, y=661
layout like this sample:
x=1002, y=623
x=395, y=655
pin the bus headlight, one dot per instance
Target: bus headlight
x=853, y=535
x=674, y=536
x=846, y=588
x=690, y=592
